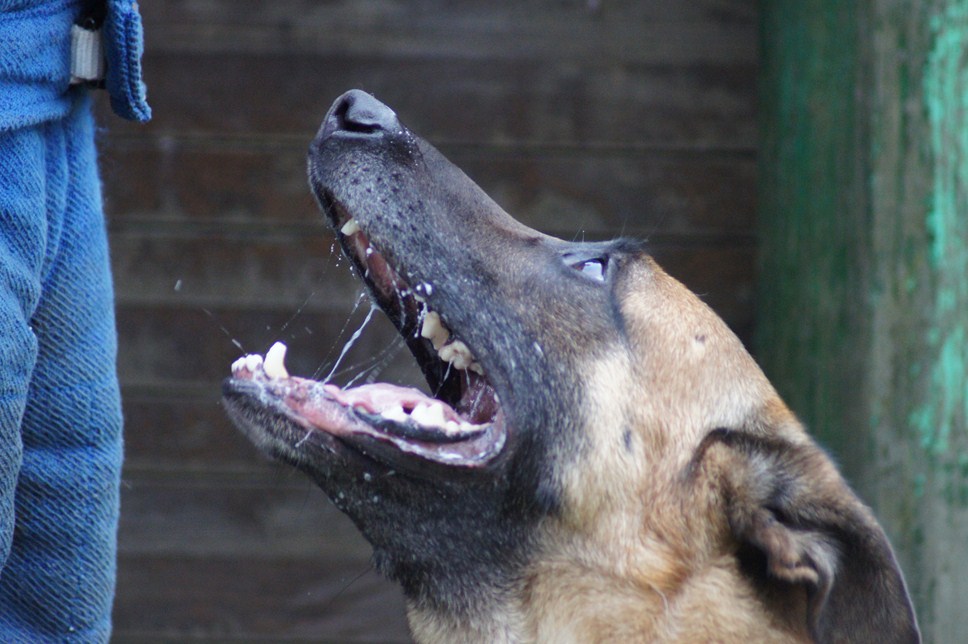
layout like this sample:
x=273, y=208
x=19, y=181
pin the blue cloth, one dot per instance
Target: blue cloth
x=60, y=415
x=35, y=66
x=124, y=42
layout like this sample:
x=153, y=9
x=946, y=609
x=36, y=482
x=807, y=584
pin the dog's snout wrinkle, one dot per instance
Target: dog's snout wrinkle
x=358, y=114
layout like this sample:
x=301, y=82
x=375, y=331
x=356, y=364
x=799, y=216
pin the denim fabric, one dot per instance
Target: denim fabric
x=60, y=417
x=35, y=60
x=35, y=53
x=123, y=42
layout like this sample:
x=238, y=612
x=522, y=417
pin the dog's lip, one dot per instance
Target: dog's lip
x=347, y=415
x=471, y=432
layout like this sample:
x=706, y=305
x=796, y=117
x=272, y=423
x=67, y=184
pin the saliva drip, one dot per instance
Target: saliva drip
x=350, y=342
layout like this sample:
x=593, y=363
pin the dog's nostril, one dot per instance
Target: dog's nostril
x=360, y=113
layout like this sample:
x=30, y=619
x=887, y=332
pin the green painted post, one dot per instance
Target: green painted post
x=863, y=320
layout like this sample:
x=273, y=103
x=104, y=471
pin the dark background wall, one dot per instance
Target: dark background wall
x=595, y=118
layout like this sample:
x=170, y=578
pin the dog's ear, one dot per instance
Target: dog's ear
x=793, y=515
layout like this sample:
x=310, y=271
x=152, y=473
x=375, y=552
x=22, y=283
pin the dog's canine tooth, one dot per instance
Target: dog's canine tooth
x=431, y=325
x=434, y=330
x=350, y=227
x=274, y=364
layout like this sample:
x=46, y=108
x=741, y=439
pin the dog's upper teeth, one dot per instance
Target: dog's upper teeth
x=274, y=364
x=457, y=353
x=350, y=227
x=434, y=330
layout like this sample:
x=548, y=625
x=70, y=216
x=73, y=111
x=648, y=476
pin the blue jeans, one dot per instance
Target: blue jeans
x=60, y=416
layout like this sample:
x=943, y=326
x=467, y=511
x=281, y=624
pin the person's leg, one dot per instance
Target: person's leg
x=59, y=578
x=23, y=233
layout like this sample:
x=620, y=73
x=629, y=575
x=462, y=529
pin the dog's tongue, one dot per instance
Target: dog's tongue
x=389, y=401
x=329, y=407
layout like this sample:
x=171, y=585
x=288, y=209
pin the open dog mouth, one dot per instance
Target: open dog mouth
x=461, y=423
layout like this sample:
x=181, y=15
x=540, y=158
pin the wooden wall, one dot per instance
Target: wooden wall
x=595, y=118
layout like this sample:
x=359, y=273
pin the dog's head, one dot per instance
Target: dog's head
x=598, y=454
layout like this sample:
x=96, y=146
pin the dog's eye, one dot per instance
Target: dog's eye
x=592, y=268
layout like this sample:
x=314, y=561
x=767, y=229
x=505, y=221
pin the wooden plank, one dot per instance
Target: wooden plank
x=168, y=429
x=262, y=271
x=452, y=15
x=181, y=598
x=266, y=513
x=708, y=106
x=668, y=32
x=563, y=192
x=240, y=556
x=163, y=345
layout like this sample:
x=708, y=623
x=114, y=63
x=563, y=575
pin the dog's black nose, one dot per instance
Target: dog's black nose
x=356, y=113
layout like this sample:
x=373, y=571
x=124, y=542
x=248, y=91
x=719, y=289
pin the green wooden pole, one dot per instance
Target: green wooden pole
x=863, y=320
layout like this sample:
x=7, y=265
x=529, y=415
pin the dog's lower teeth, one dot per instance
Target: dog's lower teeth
x=396, y=414
x=428, y=415
x=252, y=362
x=274, y=364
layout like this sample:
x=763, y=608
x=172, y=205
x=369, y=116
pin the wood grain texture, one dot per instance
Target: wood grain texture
x=582, y=118
x=865, y=245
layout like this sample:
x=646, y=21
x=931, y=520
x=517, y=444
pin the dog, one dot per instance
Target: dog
x=599, y=460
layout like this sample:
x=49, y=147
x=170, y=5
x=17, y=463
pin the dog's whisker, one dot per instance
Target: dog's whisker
x=345, y=587
x=378, y=363
x=295, y=315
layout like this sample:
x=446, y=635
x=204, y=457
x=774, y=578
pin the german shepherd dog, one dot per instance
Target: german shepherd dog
x=600, y=459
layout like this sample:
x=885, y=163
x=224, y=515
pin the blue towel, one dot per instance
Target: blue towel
x=60, y=415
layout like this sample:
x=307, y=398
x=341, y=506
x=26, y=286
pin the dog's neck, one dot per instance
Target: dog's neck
x=552, y=598
x=575, y=605
x=502, y=623
x=560, y=603
x=473, y=604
